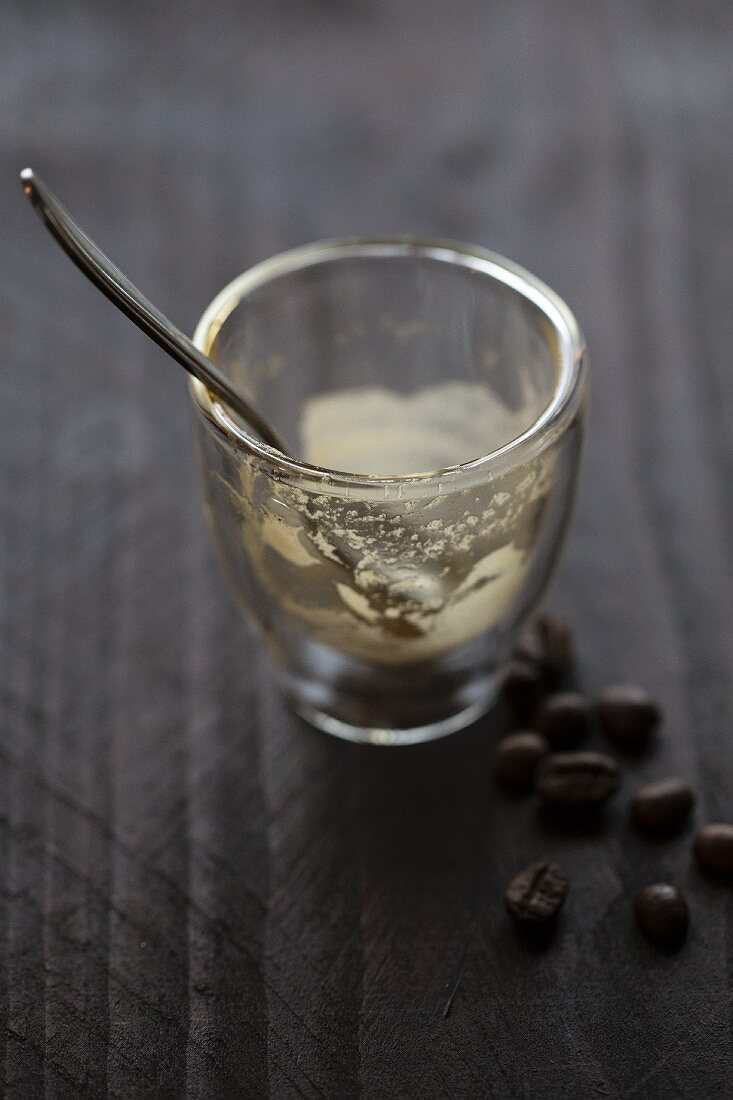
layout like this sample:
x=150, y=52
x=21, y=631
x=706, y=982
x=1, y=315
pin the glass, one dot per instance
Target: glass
x=436, y=394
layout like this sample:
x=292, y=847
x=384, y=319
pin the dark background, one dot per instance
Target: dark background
x=199, y=893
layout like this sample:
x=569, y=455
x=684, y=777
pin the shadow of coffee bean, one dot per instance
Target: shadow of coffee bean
x=571, y=821
x=537, y=940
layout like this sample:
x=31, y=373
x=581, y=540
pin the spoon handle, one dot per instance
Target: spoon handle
x=115, y=286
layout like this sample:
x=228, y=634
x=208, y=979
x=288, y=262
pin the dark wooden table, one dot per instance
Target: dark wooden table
x=199, y=894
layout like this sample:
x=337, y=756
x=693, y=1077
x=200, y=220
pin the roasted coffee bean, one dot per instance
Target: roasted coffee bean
x=576, y=778
x=628, y=715
x=663, y=806
x=714, y=847
x=518, y=755
x=662, y=914
x=563, y=718
x=523, y=687
x=548, y=643
x=536, y=894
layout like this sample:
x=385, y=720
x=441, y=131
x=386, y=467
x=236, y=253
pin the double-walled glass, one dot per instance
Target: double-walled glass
x=390, y=596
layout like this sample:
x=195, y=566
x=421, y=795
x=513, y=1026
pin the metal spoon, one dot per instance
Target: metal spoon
x=115, y=286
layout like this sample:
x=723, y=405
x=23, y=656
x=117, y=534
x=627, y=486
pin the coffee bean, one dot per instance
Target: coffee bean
x=714, y=847
x=663, y=806
x=662, y=914
x=576, y=778
x=548, y=643
x=536, y=894
x=523, y=687
x=563, y=718
x=518, y=755
x=628, y=715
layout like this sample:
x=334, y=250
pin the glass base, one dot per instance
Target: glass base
x=463, y=708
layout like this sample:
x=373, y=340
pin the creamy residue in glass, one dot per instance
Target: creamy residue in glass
x=411, y=576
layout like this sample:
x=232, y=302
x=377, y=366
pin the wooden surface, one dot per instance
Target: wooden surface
x=199, y=895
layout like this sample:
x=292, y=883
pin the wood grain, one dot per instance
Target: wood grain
x=199, y=895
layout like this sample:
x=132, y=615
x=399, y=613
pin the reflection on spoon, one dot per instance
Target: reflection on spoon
x=115, y=286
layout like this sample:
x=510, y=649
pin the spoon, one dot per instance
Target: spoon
x=115, y=286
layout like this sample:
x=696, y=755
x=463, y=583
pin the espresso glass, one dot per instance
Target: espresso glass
x=432, y=395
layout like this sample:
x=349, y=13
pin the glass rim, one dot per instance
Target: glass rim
x=558, y=411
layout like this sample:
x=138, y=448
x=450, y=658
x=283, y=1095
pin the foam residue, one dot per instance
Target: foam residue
x=393, y=581
x=377, y=431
